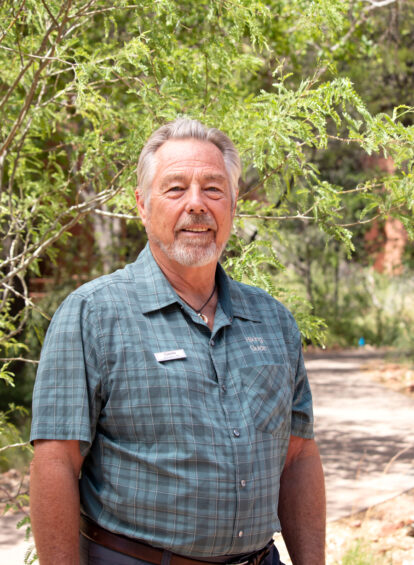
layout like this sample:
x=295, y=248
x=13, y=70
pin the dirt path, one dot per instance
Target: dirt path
x=365, y=432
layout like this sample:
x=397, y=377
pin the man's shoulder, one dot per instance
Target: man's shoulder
x=120, y=277
x=115, y=286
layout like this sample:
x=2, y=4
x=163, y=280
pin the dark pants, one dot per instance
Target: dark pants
x=93, y=554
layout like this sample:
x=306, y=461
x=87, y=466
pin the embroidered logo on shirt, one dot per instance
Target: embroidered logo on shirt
x=256, y=343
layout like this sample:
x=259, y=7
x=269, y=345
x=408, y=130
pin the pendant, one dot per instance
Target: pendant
x=203, y=317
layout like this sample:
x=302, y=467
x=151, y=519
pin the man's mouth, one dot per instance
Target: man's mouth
x=196, y=230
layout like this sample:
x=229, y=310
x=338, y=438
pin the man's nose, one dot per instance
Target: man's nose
x=195, y=201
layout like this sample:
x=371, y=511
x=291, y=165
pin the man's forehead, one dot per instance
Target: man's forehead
x=182, y=175
x=184, y=156
x=191, y=149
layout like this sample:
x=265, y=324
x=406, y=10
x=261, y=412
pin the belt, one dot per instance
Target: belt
x=145, y=552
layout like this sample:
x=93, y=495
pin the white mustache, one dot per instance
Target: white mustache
x=197, y=220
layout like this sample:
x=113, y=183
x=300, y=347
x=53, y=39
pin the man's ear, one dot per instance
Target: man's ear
x=140, y=200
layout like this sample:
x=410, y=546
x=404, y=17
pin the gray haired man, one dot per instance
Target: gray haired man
x=172, y=415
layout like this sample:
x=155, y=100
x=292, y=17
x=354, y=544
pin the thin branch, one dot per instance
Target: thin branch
x=360, y=222
x=206, y=103
x=36, y=57
x=272, y=172
x=20, y=142
x=379, y=3
x=82, y=10
x=305, y=217
x=391, y=461
x=114, y=215
x=360, y=189
x=52, y=17
x=26, y=299
x=103, y=10
x=260, y=217
x=25, y=69
x=23, y=444
x=264, y=179
x=32, y=90
x=11, y=359
x=13, y=21
x=6, y=337
x=81, y=209
x=373, y=4
x=38, y=248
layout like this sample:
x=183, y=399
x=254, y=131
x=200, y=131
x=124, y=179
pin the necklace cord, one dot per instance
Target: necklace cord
x=198, y=312
x=207, y=301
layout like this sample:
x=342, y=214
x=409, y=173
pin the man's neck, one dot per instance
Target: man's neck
x=189, y=282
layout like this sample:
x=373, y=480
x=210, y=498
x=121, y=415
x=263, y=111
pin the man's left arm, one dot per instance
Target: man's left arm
x=302, y=506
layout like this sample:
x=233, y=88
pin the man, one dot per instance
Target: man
x=176, y=394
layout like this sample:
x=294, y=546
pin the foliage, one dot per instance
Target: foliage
x=11, y=437
x=360, y=553
x=355, y=301
x=83, y=84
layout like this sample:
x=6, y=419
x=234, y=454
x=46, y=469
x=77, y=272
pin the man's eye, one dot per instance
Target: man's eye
x=176, y=188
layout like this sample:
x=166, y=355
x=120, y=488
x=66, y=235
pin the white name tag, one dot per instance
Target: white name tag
x=170, y=355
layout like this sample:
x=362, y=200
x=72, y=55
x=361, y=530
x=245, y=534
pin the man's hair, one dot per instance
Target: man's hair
x=184, y=128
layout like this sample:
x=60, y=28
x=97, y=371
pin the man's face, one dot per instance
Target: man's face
x=189, y=213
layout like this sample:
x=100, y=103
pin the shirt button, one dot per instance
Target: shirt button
x=224, y=388
x=236, y=432
x=212, y=342
x=243, y=483
x=241, y=534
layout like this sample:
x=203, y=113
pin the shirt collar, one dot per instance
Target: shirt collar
x=159, y=293
x=236, y=296
x=155, y=289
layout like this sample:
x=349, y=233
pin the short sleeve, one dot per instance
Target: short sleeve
x=67, y=392
x=302, y=411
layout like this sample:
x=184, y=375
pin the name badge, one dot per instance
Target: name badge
x=170, y=355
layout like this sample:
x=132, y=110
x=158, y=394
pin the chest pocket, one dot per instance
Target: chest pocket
x=268, y=390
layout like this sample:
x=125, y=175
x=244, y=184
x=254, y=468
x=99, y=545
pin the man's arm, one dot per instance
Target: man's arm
x=54, y=501
x=302, y=506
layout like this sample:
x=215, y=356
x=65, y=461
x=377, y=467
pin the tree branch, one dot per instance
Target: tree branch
x=23, y=444
x=23, y=359
x=373, y=4
x=26, y=299
x=80, y=210
x=379, y=3
x=114, y=215
x=51, y=16
x=28, y=101
x=260, y=217
x=13, y=21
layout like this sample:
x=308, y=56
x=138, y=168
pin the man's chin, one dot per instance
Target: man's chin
x=194, y=259
x=193, y=256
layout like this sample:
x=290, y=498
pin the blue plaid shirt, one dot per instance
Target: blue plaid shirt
x=185, y=453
